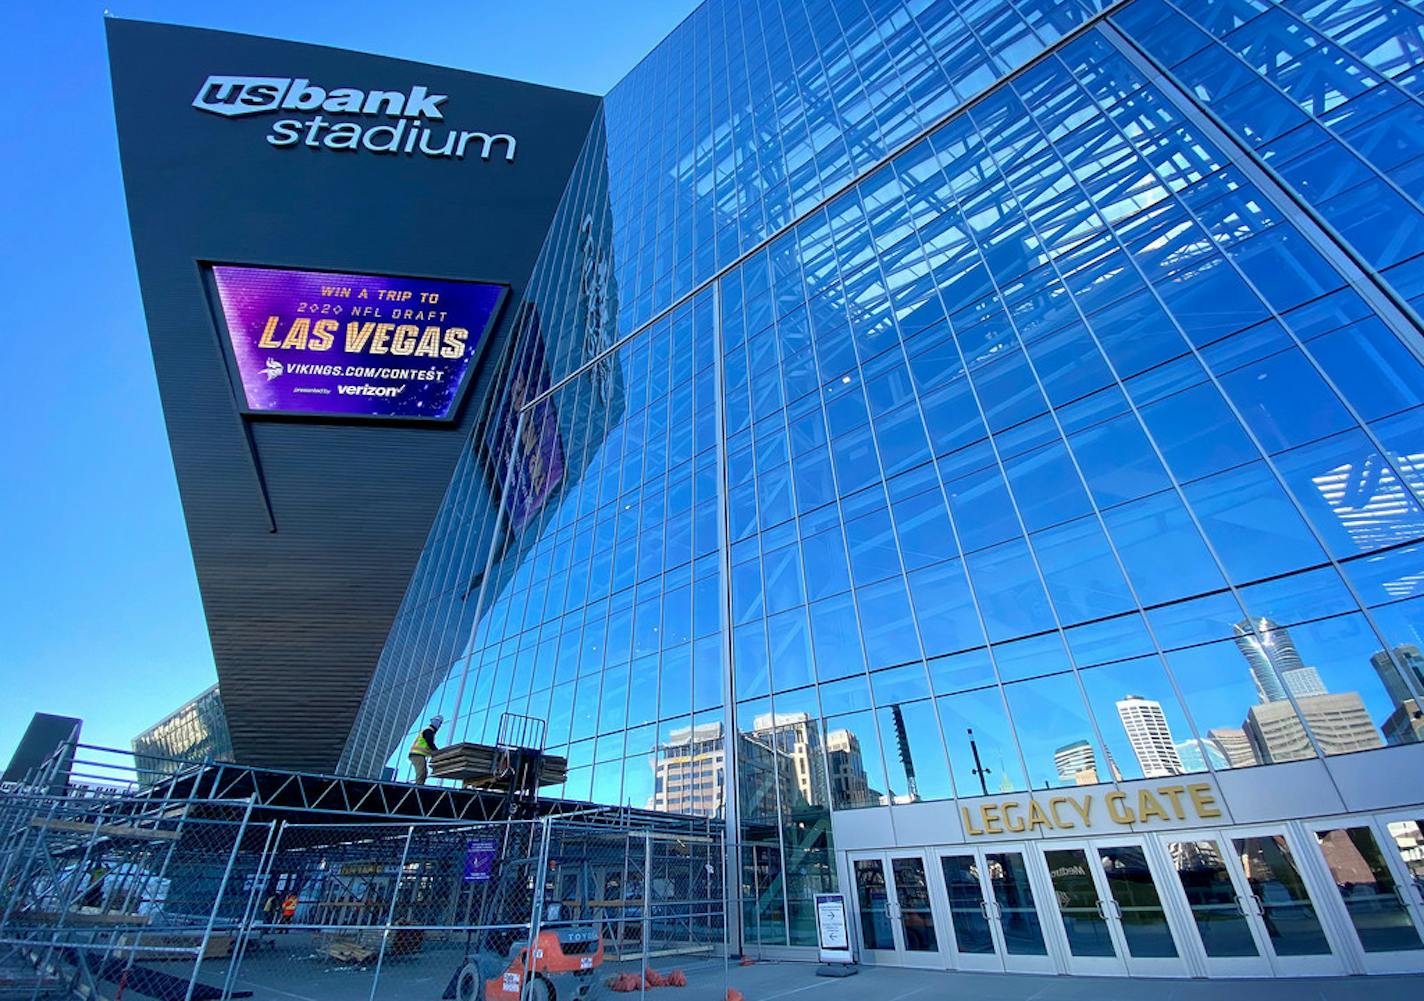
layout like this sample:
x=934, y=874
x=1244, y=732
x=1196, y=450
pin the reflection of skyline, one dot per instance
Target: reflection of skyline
x=1272, y=728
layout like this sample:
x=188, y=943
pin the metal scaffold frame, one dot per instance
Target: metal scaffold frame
x=108, y=892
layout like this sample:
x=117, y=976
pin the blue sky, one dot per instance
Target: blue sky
x=99, y=609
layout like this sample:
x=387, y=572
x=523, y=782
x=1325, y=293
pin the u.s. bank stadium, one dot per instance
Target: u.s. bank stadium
x=956, y=469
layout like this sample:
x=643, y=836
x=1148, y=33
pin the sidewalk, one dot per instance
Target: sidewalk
x=778, y=981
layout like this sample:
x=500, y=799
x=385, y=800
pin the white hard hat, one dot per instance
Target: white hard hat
x=437, y=721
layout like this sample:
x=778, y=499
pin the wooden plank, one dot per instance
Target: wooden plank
x=88, y=919
x=106, y=830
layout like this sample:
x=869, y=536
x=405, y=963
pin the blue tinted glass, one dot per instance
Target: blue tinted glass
x=1251, y=523
x=1011, y=599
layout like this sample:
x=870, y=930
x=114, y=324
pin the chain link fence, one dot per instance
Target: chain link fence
x=205, y=900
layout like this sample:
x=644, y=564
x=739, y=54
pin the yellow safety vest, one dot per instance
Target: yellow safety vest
x=422, y=746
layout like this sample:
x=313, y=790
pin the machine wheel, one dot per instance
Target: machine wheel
x=540, y=990
x=469, y=985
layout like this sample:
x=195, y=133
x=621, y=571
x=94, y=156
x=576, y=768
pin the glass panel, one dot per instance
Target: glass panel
x=1212, y=898
x=853, y=761
x=1143, y=921
x=914, y=753
x=913, y=895
x=1018, y=917
x=764, y=904
x=1408, y=837
x=873, y=898
x=1371, y=896
x=981, y=748
x=1286, y=906
x=1083, y=923
x=1049, y=716
x=966, y=899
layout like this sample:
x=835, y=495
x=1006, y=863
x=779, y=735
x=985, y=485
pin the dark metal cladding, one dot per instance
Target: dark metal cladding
x=299, y=602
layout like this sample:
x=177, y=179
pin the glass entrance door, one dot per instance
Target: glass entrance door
x=1111, y=911
x=1233, y=939
x=1375, y=888
x=994, y=923
x=897, y=913
x=1280, y=905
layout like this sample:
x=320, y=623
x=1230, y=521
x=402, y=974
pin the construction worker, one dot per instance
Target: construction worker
x=424, y=749
x=289, y=909
x=94, y=896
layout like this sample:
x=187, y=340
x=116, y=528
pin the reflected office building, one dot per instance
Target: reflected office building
x=972, y=453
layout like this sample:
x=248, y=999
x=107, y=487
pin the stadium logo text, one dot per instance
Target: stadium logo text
x=413, y=110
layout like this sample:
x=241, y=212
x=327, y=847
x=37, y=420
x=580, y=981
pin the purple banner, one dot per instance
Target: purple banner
x=321, y=342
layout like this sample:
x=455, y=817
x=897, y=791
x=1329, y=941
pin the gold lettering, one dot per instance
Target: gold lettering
x=1084, y=808
x=1013, y=821
x=1174, y=793
x=1120, y=814
x=1054, y=803
x=357, y=334
x=1036, y=816
x=297, y=336
x=266, y=340
x=381, y=342
x=403, y=342
x=1203, y=800
x=969, y=827
x=1148, y=806
x=321, y=335
x=429, y=343
x=990, y=813
x=455, y=345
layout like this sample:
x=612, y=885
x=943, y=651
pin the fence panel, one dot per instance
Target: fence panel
x=196, y=902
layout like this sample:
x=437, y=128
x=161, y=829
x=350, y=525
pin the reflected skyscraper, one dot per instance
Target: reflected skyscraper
x=846, y=764
x=1146, y=727
x=690, y=771
x=1195, y=752
x=1339, y=721
x=1270, y=653
x=1303, y=681
x=1076, y=763
x=1396, y=673
x=1235, y=744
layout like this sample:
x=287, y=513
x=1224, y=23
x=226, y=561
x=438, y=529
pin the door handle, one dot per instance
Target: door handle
x=984, y=910
x=1259, y=904
x=1241, y=906
x=1102, y=910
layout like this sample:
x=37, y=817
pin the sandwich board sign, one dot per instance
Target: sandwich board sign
x=833, y=930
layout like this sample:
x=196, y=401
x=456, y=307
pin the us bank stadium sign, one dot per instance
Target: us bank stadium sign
x=397, y=122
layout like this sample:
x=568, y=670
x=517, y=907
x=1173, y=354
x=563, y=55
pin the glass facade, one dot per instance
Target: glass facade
x=936, y=399
x=193, y=733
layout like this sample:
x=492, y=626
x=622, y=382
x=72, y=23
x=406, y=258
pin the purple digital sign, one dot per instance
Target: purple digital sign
x=346, y=345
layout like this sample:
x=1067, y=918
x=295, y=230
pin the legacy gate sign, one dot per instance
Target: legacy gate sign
x=1088, y=812
x=341, y=117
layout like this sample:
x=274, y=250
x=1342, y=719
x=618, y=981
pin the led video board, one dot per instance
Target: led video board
x=330, y=344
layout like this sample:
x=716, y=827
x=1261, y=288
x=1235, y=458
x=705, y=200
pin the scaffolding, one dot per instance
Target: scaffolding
x=115, y=891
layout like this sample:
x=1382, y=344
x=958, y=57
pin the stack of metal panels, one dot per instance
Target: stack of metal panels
x=487, y=766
